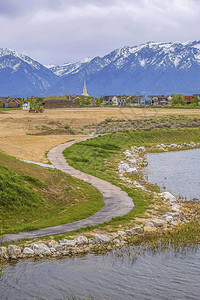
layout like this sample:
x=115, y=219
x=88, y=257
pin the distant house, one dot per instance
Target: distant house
x=7, y=102
x=169, y=100
x=155, y=101
x=115, y=100
x=15, y=102
x=145, y=100
x=26, y=106
x=189, y=99
x=198, y=95
x=4, y=102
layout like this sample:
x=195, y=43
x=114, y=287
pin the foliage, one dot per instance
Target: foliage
x=196, y=101
x=178, y=99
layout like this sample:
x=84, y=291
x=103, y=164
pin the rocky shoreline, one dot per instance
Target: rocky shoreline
x=81, y=245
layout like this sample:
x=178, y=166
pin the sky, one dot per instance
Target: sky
x=60, y=31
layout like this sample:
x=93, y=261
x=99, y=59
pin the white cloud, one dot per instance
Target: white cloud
x=64, y=30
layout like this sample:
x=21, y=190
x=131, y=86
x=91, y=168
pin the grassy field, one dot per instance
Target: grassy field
x=100, y=157
x=32, y=197
x=18, y=126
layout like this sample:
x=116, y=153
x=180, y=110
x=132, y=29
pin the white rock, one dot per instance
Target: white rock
x=173, y=145
x=137, y=230
x=14, y=251
x=68, y=243
x=141, y=149
x=121, y=233
x=102, y=238
x=137, y=185
x=3, y=251
x=28, y=251
x=167, y=196
x=157, y=222
x=132, y=171
x=169, y=219
x=149, y=224
x=81, y=240
x=128, y=153
x=53, y=250
x=40, y=248
x=132, y=161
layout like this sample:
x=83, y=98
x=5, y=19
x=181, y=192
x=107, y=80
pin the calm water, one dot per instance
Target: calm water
x=153, y=276
x=158, y=276
x=178, y=172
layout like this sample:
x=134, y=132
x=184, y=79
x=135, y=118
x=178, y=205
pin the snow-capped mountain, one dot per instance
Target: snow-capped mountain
x=153, y=68
x=22, y=76
x=69, y=68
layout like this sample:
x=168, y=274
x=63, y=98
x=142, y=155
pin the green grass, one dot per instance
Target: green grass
x=32, y=197
x=100, y=157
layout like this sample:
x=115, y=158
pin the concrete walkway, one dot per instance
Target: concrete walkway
x=116, y=202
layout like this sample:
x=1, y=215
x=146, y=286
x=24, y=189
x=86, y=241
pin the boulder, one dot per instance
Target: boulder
x=68, y=243
x=139, y=186
x=121, y=233
x=169, y=219
x=132, y=161
x=81, y=240
x=128, y=153
x=141, y=149
x=132, y=171
x=168, y=196
x=149, y=224
x=102, y=238
x=28, y=252
x=137, y=230
x=14, y=251
x=52, y=243
x=173, y=145
x=3, y=251
x=157, y=222
x=40, y=248
x=52, y=249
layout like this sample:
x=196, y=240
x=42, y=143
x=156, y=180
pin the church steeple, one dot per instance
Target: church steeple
x=85, y=89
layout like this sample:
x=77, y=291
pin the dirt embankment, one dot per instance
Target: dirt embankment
x=16, y=124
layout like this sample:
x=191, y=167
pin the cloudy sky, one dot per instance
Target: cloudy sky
x=58, y=31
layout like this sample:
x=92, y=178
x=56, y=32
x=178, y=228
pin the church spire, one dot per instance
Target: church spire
x=85, y=89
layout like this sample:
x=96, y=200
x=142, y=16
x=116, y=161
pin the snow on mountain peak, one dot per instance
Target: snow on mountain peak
x=9, y=52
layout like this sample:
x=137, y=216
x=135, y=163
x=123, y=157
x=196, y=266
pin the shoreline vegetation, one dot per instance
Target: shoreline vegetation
x=100, y=157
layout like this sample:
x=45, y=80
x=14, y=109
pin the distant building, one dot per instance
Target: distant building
x=189, y=99
x=7, y=102
x=115, y=100
x=4, y=102
x=198, y=95
x=26, y=106
x=145, y=100
x=85, y=94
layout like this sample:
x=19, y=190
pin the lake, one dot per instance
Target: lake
x=177, y=172
x=157, y=276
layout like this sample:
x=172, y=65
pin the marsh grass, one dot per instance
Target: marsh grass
x=122, y=124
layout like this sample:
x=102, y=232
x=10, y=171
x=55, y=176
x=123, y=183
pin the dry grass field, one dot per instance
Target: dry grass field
x=16, y=126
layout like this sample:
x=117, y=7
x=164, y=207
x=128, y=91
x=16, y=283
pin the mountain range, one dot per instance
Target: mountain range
x=150, y=68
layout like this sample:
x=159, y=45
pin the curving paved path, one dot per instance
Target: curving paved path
x=116, y=202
